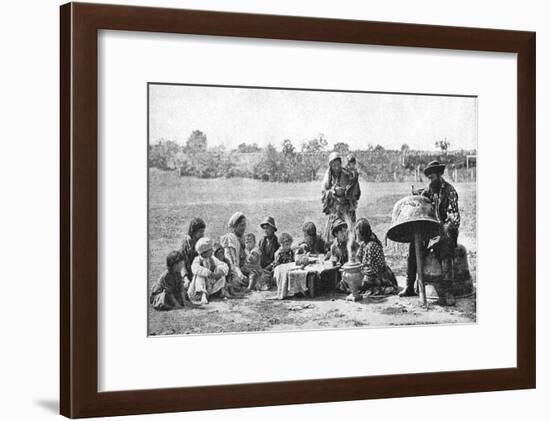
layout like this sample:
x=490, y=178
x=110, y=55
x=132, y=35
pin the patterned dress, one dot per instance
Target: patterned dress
x=283, y=256
x=377, y=273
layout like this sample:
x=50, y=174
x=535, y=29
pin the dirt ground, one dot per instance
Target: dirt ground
x=255, y=313
x=175, y=200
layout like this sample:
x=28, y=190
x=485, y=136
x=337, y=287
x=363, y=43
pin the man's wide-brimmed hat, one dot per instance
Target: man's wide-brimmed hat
x=269, y=221
x=337, y=224
x=434, y=167
x=334, y=156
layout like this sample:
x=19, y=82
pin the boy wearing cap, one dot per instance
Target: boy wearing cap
x=338, y=253
x=208, y=273
x=268, y=244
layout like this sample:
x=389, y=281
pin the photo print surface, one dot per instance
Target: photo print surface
x=274, y=209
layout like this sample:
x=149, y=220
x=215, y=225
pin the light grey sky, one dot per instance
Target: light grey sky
x=229, y=116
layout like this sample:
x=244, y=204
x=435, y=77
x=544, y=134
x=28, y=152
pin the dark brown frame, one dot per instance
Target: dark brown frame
x=79, y=199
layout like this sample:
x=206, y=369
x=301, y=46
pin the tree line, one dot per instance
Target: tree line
x=292, y=163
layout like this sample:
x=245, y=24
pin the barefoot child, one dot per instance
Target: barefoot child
x=169, y=291
x=257, y=277
x=208, y=273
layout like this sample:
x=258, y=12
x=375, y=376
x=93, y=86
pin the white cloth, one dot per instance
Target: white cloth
x=203, y=282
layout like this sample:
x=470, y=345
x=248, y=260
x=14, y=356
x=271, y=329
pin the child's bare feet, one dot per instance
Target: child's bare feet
x=191, y=304
x=226, y=294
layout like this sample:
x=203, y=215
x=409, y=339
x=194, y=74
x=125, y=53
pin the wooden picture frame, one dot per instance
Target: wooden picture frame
x=79, y=209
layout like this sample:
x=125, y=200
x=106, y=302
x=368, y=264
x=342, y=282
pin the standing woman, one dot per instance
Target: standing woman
x=378, y=277
x=233, y=246
x=336, y=202
x=194, y=234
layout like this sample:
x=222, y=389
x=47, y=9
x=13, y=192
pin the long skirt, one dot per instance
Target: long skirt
x=384, y=281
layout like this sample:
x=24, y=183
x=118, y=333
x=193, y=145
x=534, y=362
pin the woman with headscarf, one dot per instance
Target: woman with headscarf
x=378, y=277
x=337, y=202
x=233, y=246
x=194, y=233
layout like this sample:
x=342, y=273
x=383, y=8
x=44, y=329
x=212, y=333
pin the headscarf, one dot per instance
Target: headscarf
x=235, y=219
x=195, y=225
x=327, y=180
x=203, y=245
x=333, y=157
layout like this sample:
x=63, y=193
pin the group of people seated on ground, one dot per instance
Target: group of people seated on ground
x=238, y=264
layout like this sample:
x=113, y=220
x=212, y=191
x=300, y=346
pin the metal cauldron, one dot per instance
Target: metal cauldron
x=413, y=214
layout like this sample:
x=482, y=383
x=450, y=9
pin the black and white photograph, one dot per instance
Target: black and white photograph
x=242, y=210
x=277, y=209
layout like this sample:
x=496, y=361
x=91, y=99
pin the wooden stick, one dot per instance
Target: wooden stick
x=418, y=252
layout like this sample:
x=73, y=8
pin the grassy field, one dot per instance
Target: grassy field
x=175, y=200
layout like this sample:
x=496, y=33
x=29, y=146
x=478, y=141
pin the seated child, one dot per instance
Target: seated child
x=208, y=273
x=269, y=243
x=353, y=189
x=281, y=273
x=284, y=254
x=169, y=291
x=257, y=277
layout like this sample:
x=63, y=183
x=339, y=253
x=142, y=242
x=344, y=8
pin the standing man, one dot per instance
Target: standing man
x=337, y=202
x=445, y=201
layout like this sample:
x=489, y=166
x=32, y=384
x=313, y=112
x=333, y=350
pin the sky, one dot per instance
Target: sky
x=230, y=116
